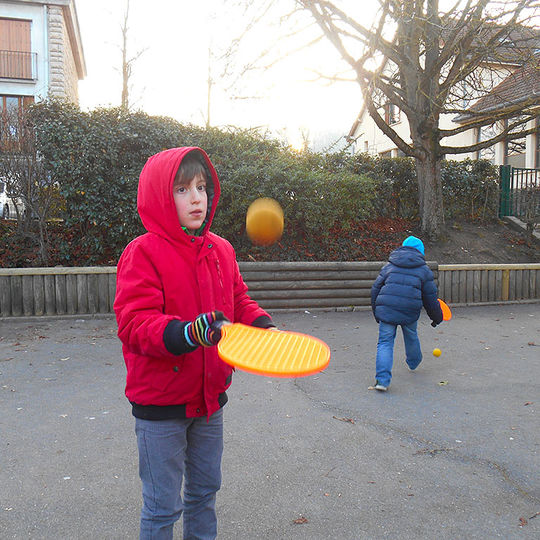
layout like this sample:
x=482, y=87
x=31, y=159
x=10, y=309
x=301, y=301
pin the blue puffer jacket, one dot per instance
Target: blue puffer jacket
x=403, y=286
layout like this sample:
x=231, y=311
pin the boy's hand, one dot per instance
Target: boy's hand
x=205, y=330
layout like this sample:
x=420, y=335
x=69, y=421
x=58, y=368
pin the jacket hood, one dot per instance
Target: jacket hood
x=155, y=202
x=407, y=257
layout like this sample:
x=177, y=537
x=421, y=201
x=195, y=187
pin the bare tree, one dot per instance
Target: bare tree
x=228, y=64
x=424, y=61
x=30, y=187
x=254, y=39
x=127, y=63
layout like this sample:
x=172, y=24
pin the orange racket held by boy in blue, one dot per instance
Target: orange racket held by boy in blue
x=272, y=353
x=446, y=311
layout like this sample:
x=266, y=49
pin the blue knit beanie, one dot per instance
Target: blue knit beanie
x=414, y=242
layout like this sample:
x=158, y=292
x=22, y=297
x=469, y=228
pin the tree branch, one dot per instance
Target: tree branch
x=387, y=130
x=504, y=135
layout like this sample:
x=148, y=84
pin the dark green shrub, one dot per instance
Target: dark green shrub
x=95, y=159
x=470, y=189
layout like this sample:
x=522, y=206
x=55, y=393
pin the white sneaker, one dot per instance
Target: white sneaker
x=380, y=387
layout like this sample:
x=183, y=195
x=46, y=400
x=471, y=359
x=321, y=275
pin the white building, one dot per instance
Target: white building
x=41, y=56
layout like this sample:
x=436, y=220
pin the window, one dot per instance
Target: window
x=11, y=108
x=392, y=114
x=14, y=103
x=515, y=148
x=467, y=93
x=485, y=133
x=16, y=57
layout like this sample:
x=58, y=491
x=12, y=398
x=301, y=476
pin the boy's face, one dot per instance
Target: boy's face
x=191, y=202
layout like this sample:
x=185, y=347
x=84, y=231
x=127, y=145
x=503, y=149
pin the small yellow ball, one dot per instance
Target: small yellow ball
x=264, y=221
x=436, y=352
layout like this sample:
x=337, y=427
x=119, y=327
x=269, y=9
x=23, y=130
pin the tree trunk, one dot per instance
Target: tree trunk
x=210, y=83
x=428, y=171
x=125, y=79
x=126, y=68
x=43, y=242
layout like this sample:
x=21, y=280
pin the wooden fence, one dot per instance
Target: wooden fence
x=276, y=286
x=481, y=283
x=295, y=285
x=56, y=291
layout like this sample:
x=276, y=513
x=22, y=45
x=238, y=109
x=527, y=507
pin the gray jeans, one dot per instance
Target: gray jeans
x=172, y=452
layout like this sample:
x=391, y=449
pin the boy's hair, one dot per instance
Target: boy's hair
x=192, y=165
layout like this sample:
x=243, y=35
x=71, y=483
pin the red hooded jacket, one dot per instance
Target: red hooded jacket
x=167, y=274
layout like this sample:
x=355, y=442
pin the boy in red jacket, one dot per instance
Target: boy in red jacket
x=176, y=285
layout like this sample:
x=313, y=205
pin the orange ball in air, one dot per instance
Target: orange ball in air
x=264, y=221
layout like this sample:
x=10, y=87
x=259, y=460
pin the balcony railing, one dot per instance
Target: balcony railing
x=18, y=65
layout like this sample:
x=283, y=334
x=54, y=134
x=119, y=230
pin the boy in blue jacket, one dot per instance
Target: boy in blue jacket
x=403, y=286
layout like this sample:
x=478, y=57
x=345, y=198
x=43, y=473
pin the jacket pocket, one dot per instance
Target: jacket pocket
x=162, y=378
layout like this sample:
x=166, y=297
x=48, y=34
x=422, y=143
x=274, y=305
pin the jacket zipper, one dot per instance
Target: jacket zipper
x=218, y=268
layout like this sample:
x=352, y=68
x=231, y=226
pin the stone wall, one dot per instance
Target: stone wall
x=63, y=80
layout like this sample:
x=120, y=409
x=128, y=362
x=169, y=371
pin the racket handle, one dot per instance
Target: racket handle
x=218, y=325
x=205, y=330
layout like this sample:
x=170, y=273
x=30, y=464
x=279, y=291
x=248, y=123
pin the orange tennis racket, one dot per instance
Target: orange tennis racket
x=446, y=313
x=272, y=353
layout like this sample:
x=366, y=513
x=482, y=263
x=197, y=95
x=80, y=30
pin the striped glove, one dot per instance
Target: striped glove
x=205, y=330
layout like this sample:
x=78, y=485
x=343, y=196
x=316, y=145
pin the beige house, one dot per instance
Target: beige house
x=510, y=83
x=520, y=86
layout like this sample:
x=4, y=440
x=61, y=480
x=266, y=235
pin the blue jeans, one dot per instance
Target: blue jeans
x=385, y=349
x=173, y=451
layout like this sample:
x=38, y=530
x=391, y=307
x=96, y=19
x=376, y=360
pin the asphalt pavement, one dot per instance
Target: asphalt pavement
x=451, y=451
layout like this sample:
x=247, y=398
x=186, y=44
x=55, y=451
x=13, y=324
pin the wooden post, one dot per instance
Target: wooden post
x=505, y=285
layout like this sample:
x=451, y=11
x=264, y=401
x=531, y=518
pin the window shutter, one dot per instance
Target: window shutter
x=15, y=49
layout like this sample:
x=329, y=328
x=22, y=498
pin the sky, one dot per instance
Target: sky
x=170, y=77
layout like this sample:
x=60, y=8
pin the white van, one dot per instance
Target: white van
x=7, y=208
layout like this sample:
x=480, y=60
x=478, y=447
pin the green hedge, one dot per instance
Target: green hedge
x=96, y=158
